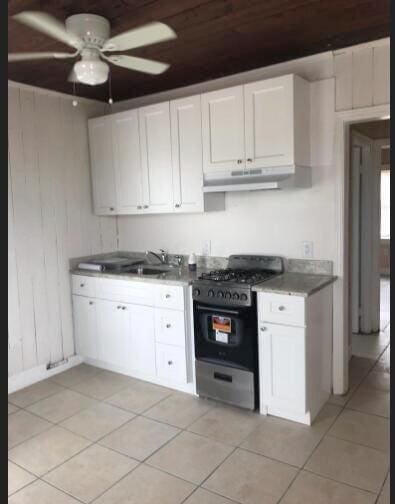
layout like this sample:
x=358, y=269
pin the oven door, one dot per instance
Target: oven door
x=227, y=335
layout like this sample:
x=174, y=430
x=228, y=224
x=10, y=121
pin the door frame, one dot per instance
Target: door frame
x=341, y=315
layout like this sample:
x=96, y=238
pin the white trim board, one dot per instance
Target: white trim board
x=341, y=325
x=39, y=373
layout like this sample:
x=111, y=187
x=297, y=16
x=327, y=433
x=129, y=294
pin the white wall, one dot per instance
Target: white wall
x=50, y=219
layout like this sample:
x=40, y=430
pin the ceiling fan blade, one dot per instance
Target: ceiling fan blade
x=138, y=64
x=150, y=33
x=50, y=26
x=39, y=55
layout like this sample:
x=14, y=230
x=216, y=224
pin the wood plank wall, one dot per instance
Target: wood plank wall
x=50, y=219
x=362, y=75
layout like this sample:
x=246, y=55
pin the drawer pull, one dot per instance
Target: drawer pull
x=91, y=302
x=281, y=308
x=82, y=285
x=263, y=328
x=167, y=296
x=168, y=326
x=170, y=362
x=223, y=377
x=118, y=307
x=123, y=307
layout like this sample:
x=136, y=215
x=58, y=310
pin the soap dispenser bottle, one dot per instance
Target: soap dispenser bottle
x=192, y=262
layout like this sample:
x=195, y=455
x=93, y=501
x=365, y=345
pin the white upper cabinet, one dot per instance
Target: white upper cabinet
x=186, y=143
x=223, y=129
x=156, y=162
x=127, y=161
x=103, y=177
x=269, y=122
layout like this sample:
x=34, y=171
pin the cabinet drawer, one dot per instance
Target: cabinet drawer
x=170, y=327
x=281, y=309
x=171, y=363
x=84, y=285
x=127, y=291
x=169, y=296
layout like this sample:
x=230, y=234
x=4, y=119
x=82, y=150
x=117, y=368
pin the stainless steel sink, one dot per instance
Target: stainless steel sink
x=147, y=270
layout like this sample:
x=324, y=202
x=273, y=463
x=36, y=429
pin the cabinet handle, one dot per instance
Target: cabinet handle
x=167, y=296
x=168, y=326
x=118, y=307
x=145, y=206
x=139, y=207
x=123, y=307
x=111, y=209
x=82, y=285
x=170, y=362
x=249, y=160
x=281, y=308
x=239, y=161
x=263, y=328
x=91, y=302
x=177, y=205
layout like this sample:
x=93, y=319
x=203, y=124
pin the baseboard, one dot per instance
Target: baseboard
x=39, y=373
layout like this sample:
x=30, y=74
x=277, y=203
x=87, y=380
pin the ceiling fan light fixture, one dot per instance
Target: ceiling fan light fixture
x=91, y=72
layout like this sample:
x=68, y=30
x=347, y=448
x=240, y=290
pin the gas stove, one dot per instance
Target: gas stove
x=232, y=286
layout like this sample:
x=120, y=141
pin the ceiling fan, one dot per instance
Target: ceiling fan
x=89, y=35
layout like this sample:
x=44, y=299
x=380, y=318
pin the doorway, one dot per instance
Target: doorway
x=369, y=238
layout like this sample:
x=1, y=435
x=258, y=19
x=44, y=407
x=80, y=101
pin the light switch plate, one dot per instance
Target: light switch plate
x=307, y=250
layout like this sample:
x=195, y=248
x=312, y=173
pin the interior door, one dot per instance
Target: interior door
x=223, y=130
x=142, y=330
x=356, y=162
x=102, y=165
x=186, y=142
x=85, y=326
x=156, y=159
x=127, y=161
x=269, y=126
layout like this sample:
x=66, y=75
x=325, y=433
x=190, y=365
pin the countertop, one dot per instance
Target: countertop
x=176, y=276
x=295, y=284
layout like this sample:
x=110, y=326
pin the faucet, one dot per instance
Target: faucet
x=163, y=259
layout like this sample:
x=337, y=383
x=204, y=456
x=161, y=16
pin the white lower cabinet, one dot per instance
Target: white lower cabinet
x=295, y=354
x=137, y=328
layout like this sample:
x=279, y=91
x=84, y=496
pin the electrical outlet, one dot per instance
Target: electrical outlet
x=307, y=250
x=206, y=248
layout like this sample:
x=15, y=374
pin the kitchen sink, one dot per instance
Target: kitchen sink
x=146, y=270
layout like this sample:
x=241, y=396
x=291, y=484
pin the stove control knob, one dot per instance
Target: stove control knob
x=243, y=297
x=196, y=292
x=220, y=294
x=228, y=295
x=236, y=296
x=210, y=293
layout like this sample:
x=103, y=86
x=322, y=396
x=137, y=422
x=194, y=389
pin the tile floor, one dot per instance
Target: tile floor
x=89, y=435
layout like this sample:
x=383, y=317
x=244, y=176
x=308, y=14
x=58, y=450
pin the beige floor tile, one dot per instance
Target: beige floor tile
x=62, y=405
x=226, y=424
x=47, y=450
x=180, y=409
x=17, y=478
x=190, y=457
x=312, y=489
x=97, y=421
x=146, y=485
x=287, y=441
x=202, y=496
x=377, y=381
x=139, y=396
x=350, y=463
x=40, y=492
x=75, y=375
x=29, y=395
x=140, y=437
x=383, y=364
x=368, y=430
x=251, y=479
x=371, y=401
x=91, y=472
x=12, y=408
x=22, y=425
x=102, y=385
x=384, y=497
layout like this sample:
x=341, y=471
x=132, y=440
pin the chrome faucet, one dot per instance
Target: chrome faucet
x=162, y=258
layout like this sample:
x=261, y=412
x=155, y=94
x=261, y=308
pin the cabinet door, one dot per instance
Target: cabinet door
x=269, y=122
x=114, y=335
x=156, y=158
x=102, y=165
x=127, y=161
x=223, y=129
x=171, y=363
x=85, y=328
x=142, y=339
x=186, y=142
x=282, y=367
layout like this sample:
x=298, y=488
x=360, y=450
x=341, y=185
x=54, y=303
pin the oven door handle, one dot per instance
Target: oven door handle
x=217, y=310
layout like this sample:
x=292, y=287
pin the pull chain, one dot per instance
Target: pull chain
x=110, y=100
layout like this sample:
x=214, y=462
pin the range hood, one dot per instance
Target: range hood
x=256, y=179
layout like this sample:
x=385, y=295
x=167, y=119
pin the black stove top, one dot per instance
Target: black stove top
x=237, y=276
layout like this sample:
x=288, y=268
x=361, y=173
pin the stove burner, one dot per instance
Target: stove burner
x=236, y=275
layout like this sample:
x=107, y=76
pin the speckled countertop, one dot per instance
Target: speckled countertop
x=295, y=284
x=175, y=276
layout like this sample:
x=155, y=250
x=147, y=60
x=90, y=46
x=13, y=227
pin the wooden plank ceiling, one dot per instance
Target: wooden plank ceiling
x=215, y=37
